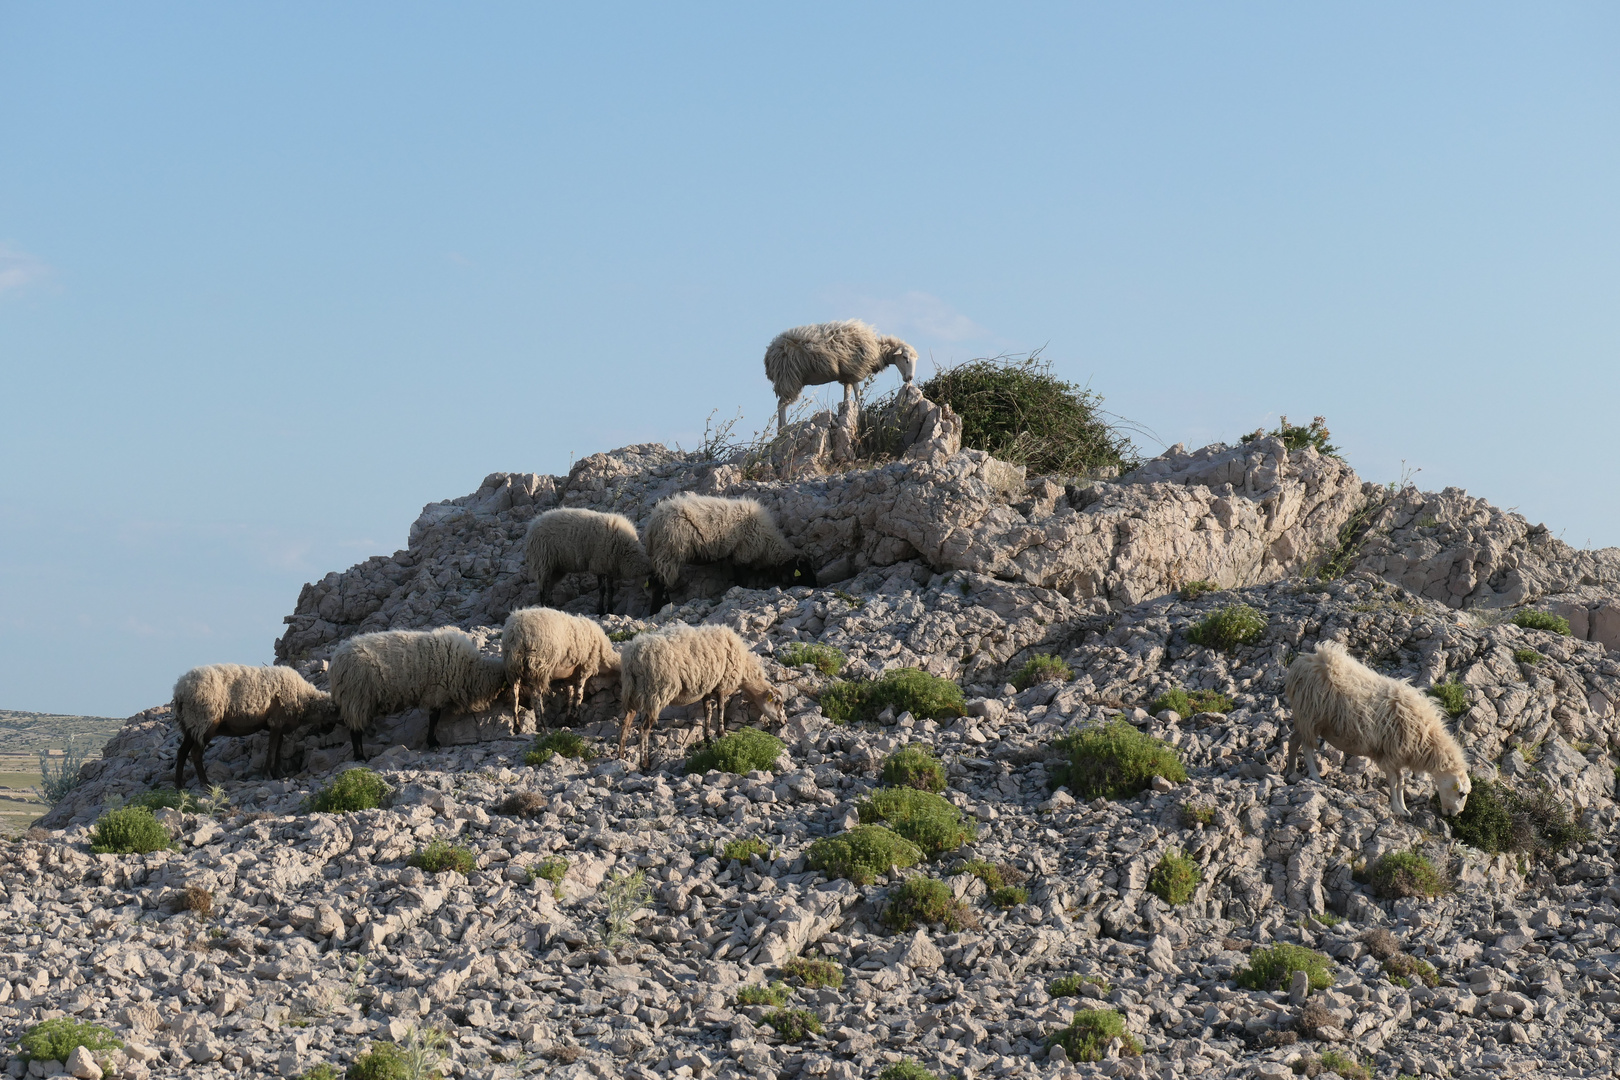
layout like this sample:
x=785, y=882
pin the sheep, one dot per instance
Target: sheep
x=688, y=528
x=583, y=541
x=238, y=700
x=681, y=664
x=376, y=674
x=1357, y=710
x=843, y=352
x=539, y=645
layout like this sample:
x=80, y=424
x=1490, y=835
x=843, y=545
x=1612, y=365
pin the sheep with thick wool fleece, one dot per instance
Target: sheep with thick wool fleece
x=389, y=671
x=688, y=528
x=848, y=352
x=680, y=665
x=238, y=700
x=542, y=645
x=572, y=541
x=1362, y=713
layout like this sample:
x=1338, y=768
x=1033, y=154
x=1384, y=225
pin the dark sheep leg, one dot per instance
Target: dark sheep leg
x=272, y=759
x=433, y=728
x=359, y=750
x=180, y=762
x=197, y=760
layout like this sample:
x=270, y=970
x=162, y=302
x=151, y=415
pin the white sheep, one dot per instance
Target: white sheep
x=1337, y=698
x=541, y=645
x=688, y=528
x=238, y=700
x=679, y=665
x=386, y=672
x=572, y=541
x=847, y=352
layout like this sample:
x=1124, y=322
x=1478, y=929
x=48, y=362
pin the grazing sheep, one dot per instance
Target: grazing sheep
x=540, y=645
x=681, y=664
x=237, y=700
x=688, y=528
x=583, y=541
x=373, y=675
x=843, y=352
x=1357, y=710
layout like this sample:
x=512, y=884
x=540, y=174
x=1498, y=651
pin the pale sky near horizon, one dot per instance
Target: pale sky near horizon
x=274, y=276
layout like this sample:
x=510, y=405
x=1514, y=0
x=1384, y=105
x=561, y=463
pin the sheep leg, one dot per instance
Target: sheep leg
x=602, y=589
x=646, y=741
x=433, y=728
x=624, y=730
x=1295, y=741
x=186, y=743
x=272, y=758
x=546, y=584
x=1308, y=749
x=197, y=761
x=781, y=414
x=1397, y=790
x=359, y=748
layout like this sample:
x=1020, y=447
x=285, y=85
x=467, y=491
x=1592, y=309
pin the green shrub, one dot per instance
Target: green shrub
x=1009, y=896
x=742, y=751
x=1193, y=814
x=794, y=1025
x=1114, y=761
x=1088, y=1034
x=1043, y=668
x=1299, y=436
x=1498, y=818
x=774, y=995
x=741, y=850
x=1406, y=968
x=1407, y=873
x=1226, y=629
x=553, y=870
x=1194, y=589
x=129, y=830
x=1185, y=704
x=619, y=637
x=55, y=1040
x=323, y=1071
x=906, y=1070
x=824, y=658
x=814, y=974
x=1175, y=879
x=1273, y=968
x=925, y=696
x=862, y=853
x=384, y=1061
x=164, y=799
x=1452, y=696
x=558, y=743
x=1346, y=1066
x=914, y=766
x=1541, y=620
x=921, y=899
x=1070, y=985
x=622, y=896
x=922, y=817
x=356, y=789
x=60, y=775
x=440, y=856
x=1528, y=656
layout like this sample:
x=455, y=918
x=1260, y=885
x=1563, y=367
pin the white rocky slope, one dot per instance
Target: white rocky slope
x=323, y=940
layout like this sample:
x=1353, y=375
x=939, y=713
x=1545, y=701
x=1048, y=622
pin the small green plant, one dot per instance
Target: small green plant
x=1089, y=1033
x=1528, y=657
x=560, y=743
x=1042, y=668
x=1195, y=814
x=356, y=789
x=774, y=995
x=1299, y=436
x=1499, y=818
x=55, y=1040
x=129, y=830
x=1407, y=873
x=1273, y=968
x=794, y=1025
x=740, y=752
x=814, y=974
x=417, y=1058
x=851, y=599
x=906, y=1069
x=922, y=817
x=58, y=776
x=164, y=799
x=1009, y=896
x=1175, y=878
x=742, y=850
x=914, y=766
x=619, y=637
x=552, y=869
x=1404, y=967
x=925, y=696
x=824, y=658
x=1001, y=881
x=1194, y=589
x=1345, y=1065
x=862, y=853
x=623, y=894
x=440, y=856
x=1114, y=761
x=1452, y=695
x=1071, y=985
x=1541, y=620
x=1329, y=918
x=922, y=899
x=1185, y=704
x=323, y=1071
x=1226, y=629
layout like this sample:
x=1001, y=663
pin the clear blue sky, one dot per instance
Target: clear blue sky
x=273, y=276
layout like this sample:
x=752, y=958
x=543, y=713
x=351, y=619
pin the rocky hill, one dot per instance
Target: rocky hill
x=319, y=939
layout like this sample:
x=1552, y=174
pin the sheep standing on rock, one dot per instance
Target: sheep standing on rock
x=373, y=675
x=681, y=664
x=1357, y=710
x=571, y=541
x=688, y=528
x=542, y=645
x=847, y=352
x=237, y=700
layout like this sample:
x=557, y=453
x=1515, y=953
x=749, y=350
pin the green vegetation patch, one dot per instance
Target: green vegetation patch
x=1299, y=436
x=1452, y=695
x=129, y=830
x=1541, y=620
x=922, y=899
x=814, y=974
x=1402, y=969
x=356, y=789
x=1002, y=881
x=1226, y=629
x=914, y=766
x=925, y=696
x=552, y=870
x=555, y=744
x=1346, y=1066
x=384, y=1061
x=619, y=637
x=1115, y=761
x=922, y=817
x=1175, y=878
x=1089, y=1033
x=55, y=1040
x=323, y=1071
x=164, y=799
x=1194, y=589
x=742, y=850
x=906, y=1069
x=1273, y=968
x=1499, y=818
x=862, y=853
x=794, y=1025
x=1196, y=814
x=824, y=658
x=1407, y=873
x=1191, y=704
x=1071, y=985
x=774, y=995
x=1042, y=668
x=742, y=751
x=440, y=856
x=1528, y=656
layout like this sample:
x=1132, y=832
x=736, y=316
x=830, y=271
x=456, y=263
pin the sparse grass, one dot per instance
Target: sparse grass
x=774, y=995
x=1528, y=657
x=619, y=637
x=1347, y=545
x=741, y=850
x=1381, y=943
x=623, y=894
x=1407, y=873
x=558, y=743
x=1114, y=761
x=1002, y=882
x=1329, y=918
x=1042, y=668
x=794, y=1025
x=1541, y=620
x=1499, y=818
x=59, y=776
x=1272, y=968
x=1452, y=695
x=1194, y=814
x=164, y=799
x=197, y=900
x=551, y=870
x=1402, y=969
x=129, y=830
x=1009, y=896
x=56, y=1039
x=1194, y=589
x=1089, y=1033
x=925, y=696
x=355, y=789
x=914, y=766
x=862, y=853
x=824, y=658
x=906, y=1070
x=1226, y=629
x=1299, y=436
x=1070, y=985
x=922, y=899
x=323, y=1071
x=814, y=974
x=1345, y=1065
x=926, y=819
x=851, y=599
x=441, y=855
x=1191, y=704
x=1175, y=878
x=741, y=752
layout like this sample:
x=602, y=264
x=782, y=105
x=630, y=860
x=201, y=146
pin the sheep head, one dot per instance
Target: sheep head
x=1453, y=789
x=900, y=354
